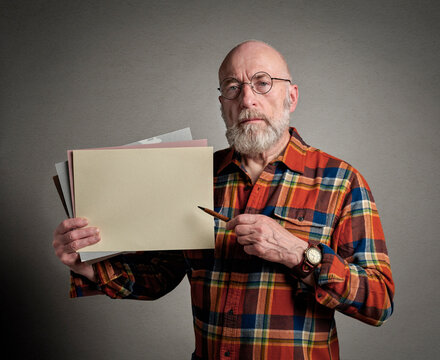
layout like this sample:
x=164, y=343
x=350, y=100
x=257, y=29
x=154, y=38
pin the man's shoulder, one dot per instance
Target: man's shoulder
x=312, y=157
x=331, y=169
x=316, y=154
x=221, y=154
x=320, y=158
x=221, y=157
x=322, y=164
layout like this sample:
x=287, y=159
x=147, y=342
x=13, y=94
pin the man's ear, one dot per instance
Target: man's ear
x=293, y=95
x=220, y=98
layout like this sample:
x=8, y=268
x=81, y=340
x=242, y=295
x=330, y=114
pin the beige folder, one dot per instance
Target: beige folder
x=146, y=199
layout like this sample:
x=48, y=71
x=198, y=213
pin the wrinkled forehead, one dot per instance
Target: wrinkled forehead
x=258, y=76
x=243, y=62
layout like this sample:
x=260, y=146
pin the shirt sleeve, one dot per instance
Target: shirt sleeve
x=141, y=275
x=355, y=274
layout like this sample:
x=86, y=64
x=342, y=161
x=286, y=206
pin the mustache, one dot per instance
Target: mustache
x=251, y=114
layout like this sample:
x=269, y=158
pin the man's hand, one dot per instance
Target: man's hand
x=262, y=236
x=70, y=236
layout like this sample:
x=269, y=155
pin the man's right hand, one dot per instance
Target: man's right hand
x=70, y=236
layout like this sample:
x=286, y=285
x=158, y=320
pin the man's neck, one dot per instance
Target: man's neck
x=255, y=165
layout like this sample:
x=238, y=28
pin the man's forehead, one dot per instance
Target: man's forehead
x=247, y=73
x=250, y=58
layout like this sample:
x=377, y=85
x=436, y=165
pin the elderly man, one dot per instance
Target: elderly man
x=304, y=237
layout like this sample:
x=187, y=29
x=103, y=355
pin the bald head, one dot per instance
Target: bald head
x=252, y=56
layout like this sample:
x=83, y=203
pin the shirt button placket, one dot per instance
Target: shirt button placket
x=230, y=330
x=226, y=353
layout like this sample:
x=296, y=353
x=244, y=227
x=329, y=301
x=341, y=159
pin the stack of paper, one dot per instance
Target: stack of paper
x=142, y=196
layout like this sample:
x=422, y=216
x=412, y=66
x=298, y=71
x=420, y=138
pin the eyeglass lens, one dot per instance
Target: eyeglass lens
x=261, y=83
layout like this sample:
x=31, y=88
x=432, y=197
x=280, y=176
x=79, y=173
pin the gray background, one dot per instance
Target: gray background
x=78, y=74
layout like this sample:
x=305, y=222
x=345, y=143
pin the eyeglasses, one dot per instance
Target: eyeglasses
x=261, y=83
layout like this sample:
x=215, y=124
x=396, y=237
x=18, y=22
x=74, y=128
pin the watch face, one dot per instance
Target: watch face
x=314, y=255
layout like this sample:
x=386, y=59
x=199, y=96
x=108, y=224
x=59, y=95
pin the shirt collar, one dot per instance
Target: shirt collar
x=293, y=156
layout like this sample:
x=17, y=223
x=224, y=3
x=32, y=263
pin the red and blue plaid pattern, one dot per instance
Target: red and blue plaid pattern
x=248, y=308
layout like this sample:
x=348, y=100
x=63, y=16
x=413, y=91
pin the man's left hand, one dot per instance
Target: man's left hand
x=262, y=236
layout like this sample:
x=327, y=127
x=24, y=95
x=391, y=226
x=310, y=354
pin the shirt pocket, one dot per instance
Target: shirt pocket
x=307, y=224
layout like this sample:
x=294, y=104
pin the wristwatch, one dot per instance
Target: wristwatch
x=312, y=258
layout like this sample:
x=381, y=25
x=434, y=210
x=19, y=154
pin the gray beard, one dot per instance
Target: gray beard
x=248, y=139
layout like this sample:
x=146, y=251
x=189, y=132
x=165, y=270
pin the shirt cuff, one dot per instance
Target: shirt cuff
x=81, y=286
x=330, y=278
x=105, y=272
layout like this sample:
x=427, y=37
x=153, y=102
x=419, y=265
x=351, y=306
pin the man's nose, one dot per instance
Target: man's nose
x=247, y=96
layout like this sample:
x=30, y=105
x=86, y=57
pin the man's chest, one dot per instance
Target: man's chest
x=306, y=206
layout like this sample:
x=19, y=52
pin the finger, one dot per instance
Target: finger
x=249, y=249
x=78, y=234
x=75, y=245
x=242, y=230
x=253, y=250
x=260, y=251
x=70, y=224
x=245, y=240
x=241, y=219
x=253, y=238
x=70, y=259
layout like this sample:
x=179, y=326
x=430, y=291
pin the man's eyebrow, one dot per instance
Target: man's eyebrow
x=229, y=79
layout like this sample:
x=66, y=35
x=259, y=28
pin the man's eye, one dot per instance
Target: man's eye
x=233, y=88
x=263, y=83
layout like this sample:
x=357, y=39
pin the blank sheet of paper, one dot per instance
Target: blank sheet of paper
x=146, y=199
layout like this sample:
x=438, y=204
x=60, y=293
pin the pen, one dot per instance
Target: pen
x=215, y=214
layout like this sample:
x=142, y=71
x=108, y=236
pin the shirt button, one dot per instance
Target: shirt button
x=227, y=353
x=231, y=312
x=300, y=218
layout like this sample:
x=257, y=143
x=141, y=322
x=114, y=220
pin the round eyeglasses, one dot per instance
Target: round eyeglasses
x=261, y=83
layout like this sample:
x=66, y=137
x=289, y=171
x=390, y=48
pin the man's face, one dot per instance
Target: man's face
x=255, y=122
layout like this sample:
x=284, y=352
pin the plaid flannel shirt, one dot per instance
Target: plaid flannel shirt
x=248, y=308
